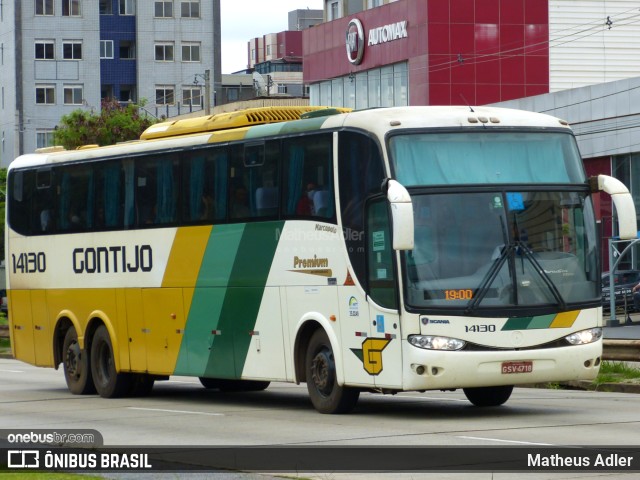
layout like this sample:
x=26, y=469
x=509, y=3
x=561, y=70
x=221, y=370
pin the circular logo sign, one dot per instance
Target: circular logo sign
x=355, y=41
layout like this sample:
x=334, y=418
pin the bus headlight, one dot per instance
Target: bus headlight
x=585, y=336
x=431, y=342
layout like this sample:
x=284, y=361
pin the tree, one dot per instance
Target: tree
x=115, y=123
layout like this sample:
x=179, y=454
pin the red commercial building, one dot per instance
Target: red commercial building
x=419, y=52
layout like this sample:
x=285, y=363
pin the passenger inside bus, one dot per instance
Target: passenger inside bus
x=239, y=207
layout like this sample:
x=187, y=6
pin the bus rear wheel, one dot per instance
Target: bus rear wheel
x=225, y=385
x=488, y=396
x=108, y=382
x=322, y=383
x=75, y=361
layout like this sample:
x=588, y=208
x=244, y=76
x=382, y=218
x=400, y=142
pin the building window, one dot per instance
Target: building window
x=192, y=96
x=190, y=9
x=106, y=7
x=70, y=8
x=164, y=52
x=44, y=7
x=44, y=138
x=106, y=48
x=127, y=50
x=106, y=91
x=282, y=88
x=374, y=3
x=73, y=95
x=333, y=12
x=190, y=52
x=45, y=94
x=127, y=7
x=45, y=50
x=165, y=94
x=164, y=9
x=233, y=94
x=127, y=93
x=72, y=50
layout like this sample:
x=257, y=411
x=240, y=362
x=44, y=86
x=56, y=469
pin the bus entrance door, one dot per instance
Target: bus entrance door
x=384, y=347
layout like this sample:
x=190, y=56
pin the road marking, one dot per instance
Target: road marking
x=177, y=411
x=12, y=371
x=505, y=441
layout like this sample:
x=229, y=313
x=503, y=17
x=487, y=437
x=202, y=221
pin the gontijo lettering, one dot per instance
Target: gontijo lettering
x=113, y=259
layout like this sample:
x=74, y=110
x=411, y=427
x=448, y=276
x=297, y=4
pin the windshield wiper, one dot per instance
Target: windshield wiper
x=490, y=276
x=488, y=279
x=545, y=278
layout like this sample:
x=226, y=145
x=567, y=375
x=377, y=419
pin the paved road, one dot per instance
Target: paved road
x=624, y=330
x=181, y=412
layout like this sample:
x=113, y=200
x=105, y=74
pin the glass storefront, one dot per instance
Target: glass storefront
x=379, y=87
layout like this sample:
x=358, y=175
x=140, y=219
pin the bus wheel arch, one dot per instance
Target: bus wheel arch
x=321, y=372
x=305, y=332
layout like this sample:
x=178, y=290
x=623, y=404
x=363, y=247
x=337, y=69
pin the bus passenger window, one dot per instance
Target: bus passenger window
x=308, y=177
x=253, y=185
x=204, y=187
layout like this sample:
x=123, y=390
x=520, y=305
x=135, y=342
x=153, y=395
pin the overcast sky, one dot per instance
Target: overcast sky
x=245, y=19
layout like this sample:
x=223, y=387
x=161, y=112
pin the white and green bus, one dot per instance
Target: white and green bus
x=389, y=250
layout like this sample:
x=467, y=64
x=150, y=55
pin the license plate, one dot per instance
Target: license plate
x=517, y=367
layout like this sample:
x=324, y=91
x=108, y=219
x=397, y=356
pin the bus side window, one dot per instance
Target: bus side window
x=21, y=186
x=361, y=173
x=308, y=177
x=253, y=188
x=156, y=191
x=381, y=272
x=45, y=202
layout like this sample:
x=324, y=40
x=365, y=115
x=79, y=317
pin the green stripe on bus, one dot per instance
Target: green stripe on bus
x=208, y=298
x=521, y=323
x=242, y=300
x=273, y=129
x=529, y=323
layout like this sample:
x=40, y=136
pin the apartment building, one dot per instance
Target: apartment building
x=61, y=55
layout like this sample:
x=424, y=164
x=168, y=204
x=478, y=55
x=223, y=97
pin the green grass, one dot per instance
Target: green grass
x=5, y=346
x=616, y=372
x=3, y=319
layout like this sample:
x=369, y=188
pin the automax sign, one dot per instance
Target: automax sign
x=355, y=37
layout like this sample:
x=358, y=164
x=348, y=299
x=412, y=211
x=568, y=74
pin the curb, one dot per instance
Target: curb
x=588, y=385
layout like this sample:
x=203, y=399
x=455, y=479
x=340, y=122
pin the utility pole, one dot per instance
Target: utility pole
x=207, y=92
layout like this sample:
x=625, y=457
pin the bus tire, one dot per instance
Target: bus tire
x=488, y=396
x=225, y=385
x=322, y=382
x=108, y=382
x=75, y=361
x=141, y=384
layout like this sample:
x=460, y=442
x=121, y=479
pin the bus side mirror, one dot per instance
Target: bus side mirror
x=401, y=214
x=625, y=208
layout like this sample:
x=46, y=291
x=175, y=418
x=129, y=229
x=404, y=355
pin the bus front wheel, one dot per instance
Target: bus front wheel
x=108, y=382
x=322, y=383
x=77, y=372
x=488, y=396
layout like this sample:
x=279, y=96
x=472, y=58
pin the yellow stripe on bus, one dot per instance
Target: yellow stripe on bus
x=186, y=256
x=565, y=319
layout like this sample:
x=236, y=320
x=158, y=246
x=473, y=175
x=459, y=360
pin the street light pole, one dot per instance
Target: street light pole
x=207, y=92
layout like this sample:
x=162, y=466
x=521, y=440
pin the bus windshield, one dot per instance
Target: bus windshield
x=502, y=249
x=482, y=157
